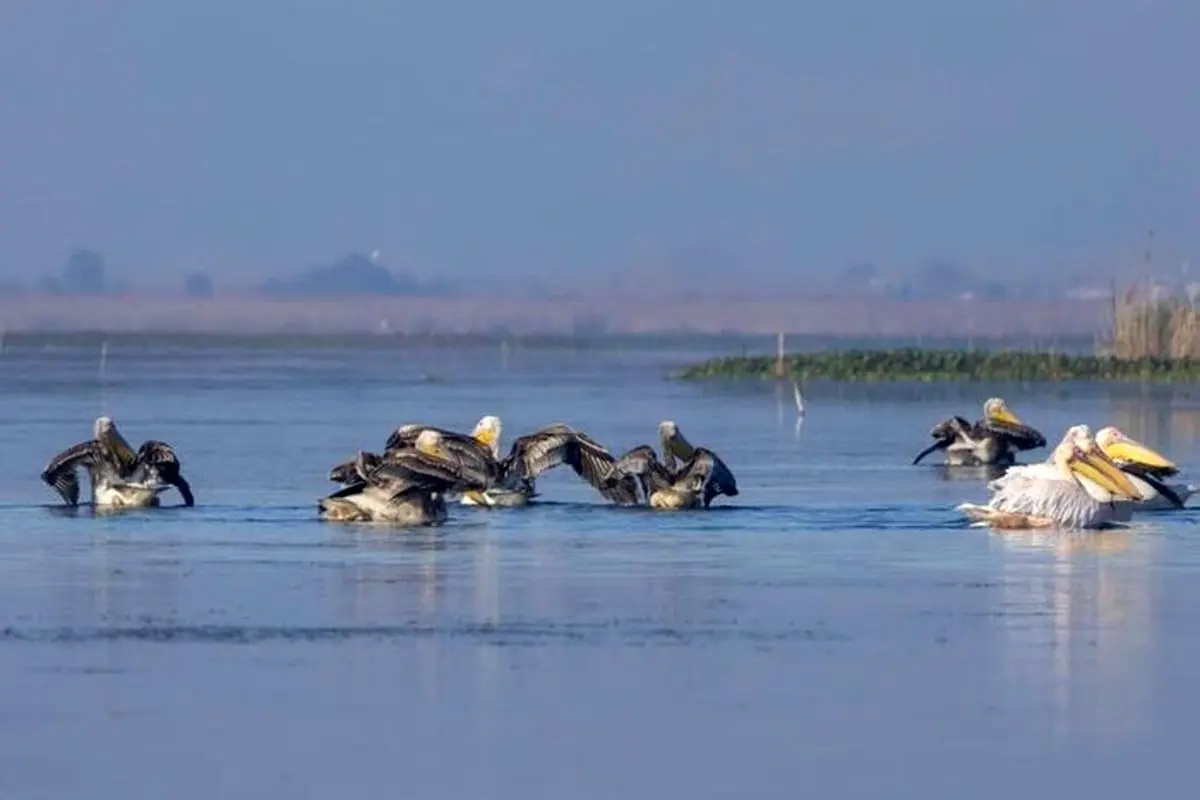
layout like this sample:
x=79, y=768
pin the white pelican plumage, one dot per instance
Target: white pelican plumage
x=120, y=477
x=1077, y=488
x=992, y=441
x=1146, y=469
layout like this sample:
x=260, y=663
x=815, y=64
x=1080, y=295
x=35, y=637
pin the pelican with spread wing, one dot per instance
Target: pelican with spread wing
x=549, y=447
x=1147, y=469
x=406, y=486
x=992, y=441
x=1079, y=487
x=120, y=476
x=686, y=477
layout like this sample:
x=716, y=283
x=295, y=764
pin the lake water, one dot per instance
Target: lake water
x=834, y=631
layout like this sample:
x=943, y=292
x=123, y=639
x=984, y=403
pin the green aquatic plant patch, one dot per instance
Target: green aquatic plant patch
x=948, y=365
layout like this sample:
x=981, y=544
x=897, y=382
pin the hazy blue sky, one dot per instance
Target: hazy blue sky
x=524, y=136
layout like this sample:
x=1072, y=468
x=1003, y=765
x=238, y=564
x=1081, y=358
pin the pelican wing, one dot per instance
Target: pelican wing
x=406, y=436
x=405, y=469
x=345, y=473
x=642, y=463
x=1151, y=476
x=60, y=470
x=161, y=456
x=944, y=434
x=1018, y=437
x=466, y=452
x=595, y=464
x=542, y=450
x=707, y=466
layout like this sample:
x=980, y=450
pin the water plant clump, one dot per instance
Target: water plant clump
x=948, y=365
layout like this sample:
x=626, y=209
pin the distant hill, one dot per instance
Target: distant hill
x=354, y=274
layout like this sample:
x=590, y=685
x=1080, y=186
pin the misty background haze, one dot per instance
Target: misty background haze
x=1016, y=149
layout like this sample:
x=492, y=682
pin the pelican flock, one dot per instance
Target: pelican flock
x=1089, y=481
x=385, y=487
x=1078, y=487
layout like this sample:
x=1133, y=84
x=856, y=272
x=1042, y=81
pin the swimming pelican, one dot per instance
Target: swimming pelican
x=406, y=486
x=480, y=450
x=1076, y=488
x=120, y=477
x=700, y=476
x=1146, y=469
x=549, y=447
x=989, y=442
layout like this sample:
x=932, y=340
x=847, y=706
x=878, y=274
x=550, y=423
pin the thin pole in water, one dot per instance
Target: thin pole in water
x=103, y=369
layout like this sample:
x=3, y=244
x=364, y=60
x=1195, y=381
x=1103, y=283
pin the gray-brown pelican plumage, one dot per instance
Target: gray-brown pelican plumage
x=477, y=451
x=992, y=441
x=406, y=486
x=549, y=447
x=120, y=477
x=685, y=477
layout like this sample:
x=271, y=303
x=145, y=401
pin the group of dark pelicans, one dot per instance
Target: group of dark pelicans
x=1089, y=481
x=419, y=469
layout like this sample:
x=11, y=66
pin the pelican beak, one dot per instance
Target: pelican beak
x=680, y=446
x=1100, y=469
x=1134, y=452
x=1007, y=417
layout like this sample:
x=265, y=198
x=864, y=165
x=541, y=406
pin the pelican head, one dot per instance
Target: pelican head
x=429, y=442
x=1119, y=447
x=996, y=410
x=1079, y=457
x=673, y=442
x=487, y=431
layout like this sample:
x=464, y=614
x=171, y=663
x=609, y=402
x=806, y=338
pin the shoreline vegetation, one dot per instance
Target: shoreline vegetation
x=913, y=364
x=1151, y=338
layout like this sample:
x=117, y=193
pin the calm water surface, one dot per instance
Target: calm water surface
x=835, y=631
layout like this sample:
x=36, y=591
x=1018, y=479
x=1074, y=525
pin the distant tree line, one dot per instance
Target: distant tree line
x=85, y=273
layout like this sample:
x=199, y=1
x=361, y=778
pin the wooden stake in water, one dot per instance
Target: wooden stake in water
x=103, y=369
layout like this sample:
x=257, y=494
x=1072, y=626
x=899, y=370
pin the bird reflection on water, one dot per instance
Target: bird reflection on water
x=977, y=474
x=1082, y=627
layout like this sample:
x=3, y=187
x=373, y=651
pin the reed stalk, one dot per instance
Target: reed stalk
x=1147, y=325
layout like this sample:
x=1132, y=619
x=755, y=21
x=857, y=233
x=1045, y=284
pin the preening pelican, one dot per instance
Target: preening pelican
x=479, y=451
x=992, y=441
x=693, y=481
x=1076, y=488
x=120, y=477
x=406, y=486
x=1146, y=469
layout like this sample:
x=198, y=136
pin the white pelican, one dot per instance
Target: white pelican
x=992, y=441
x=1076, y=488
x=120, y=477
x=1147, y=469
x=694, y=483
x=407, y=486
